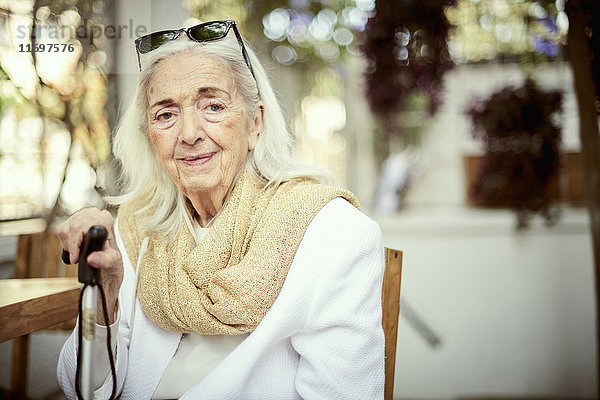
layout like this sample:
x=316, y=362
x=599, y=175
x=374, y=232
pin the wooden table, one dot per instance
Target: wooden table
x=28, y=305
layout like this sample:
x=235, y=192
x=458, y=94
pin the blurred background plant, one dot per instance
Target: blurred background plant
x=407, y=56
x=55, y=119
x=520, y=128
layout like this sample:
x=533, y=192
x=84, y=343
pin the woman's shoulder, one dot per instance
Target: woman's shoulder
x=340, y=231
x=340, y=214
x=303, y=193
x=341, y=247
x=336, y=210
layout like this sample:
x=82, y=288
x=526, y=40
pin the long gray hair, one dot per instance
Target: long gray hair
x=144, y=180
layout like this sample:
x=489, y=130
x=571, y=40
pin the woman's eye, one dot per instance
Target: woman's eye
x=164, y=116
x=215, y=107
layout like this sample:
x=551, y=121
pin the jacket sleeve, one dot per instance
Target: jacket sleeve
x=67, y=360
x=341, y=344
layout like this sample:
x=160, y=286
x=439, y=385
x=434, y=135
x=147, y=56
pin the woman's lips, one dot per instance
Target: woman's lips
x=199, y=159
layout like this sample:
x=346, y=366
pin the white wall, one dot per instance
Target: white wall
x=515, y=312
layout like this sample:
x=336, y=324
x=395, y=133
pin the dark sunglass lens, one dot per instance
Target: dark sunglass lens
x=211, y=31
x=155, y=40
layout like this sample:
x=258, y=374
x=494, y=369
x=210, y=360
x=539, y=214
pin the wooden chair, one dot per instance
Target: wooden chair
x=390, y=301
x=38, y=256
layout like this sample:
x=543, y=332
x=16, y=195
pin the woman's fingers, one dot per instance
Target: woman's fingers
x=107, y=259
x=71, y=237
x=72, y=230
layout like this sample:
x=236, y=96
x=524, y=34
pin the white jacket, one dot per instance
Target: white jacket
x=321, y=339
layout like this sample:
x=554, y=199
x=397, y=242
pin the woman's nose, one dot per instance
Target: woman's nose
x=192, y=128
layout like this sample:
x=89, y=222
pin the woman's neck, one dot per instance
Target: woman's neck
x=207, y=207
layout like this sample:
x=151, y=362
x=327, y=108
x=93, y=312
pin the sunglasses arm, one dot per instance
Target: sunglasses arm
x=244, y=52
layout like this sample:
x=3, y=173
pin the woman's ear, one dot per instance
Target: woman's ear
x=256, y=126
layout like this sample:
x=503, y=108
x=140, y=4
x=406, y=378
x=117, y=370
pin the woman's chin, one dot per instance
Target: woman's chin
x=199, y=186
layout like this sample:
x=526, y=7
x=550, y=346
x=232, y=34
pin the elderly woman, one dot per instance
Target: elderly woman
x=232, y=271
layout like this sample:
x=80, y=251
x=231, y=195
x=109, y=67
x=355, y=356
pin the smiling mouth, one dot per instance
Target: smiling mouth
x=197, y=159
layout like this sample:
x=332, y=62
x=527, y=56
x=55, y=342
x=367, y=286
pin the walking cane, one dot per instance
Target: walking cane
x=93, y=240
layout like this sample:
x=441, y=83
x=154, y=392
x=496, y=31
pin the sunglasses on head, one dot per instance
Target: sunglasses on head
x=200, y=33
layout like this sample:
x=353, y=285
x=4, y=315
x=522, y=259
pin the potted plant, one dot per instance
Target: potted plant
x=521, y=134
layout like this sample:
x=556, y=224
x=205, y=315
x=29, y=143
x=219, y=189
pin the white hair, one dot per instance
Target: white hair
x=146, y=182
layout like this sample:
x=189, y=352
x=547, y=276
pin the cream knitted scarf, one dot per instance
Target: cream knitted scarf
x=228, y=282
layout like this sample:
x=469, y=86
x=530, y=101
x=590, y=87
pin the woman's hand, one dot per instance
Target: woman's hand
x=108, y=260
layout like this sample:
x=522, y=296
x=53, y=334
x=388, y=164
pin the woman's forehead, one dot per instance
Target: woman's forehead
x=187, y=72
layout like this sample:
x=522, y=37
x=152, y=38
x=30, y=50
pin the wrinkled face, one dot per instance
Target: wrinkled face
x=198, y=123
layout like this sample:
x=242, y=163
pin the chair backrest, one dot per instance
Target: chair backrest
x=390, y=301
x=38, y=256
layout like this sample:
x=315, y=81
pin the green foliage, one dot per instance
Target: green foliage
x=406, y=52
x=296, y=31
x=209, y=10
x=73, y=100
x=5, y=101
x=526, y=31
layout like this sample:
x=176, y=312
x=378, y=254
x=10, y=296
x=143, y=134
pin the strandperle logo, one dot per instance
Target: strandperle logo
x=86, y=30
